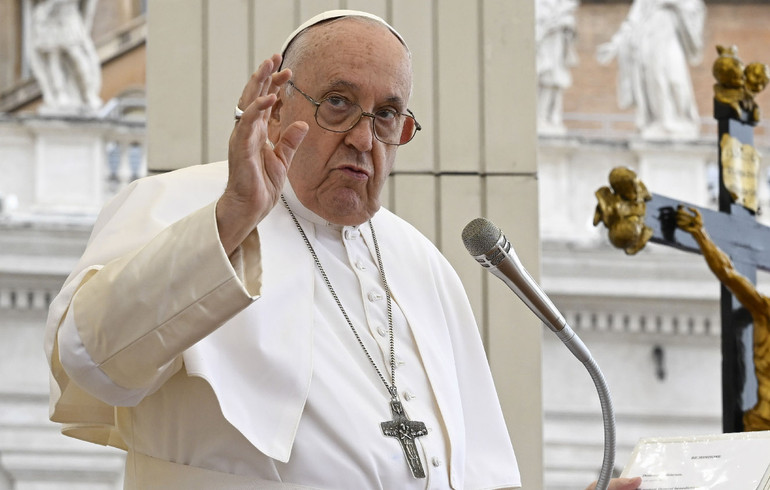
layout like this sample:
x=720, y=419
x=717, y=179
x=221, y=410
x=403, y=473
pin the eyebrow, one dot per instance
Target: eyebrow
x=340, y=83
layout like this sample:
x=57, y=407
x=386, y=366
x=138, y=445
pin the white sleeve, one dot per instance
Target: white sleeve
x=129, y=321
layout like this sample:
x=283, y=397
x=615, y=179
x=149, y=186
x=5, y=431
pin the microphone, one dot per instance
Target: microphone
x=489, y=246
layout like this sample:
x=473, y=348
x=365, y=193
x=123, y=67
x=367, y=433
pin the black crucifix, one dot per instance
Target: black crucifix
x=406, y=431
x=633, y=216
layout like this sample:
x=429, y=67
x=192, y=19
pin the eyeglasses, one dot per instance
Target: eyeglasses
x=337, y=114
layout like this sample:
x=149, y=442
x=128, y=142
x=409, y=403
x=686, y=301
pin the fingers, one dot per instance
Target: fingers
x=260, y=91
x=290, y=140
x=255, y=84
x=688, y=218
x=687, y=211
x=629, y=483
x=621, y=484
x=279, y=78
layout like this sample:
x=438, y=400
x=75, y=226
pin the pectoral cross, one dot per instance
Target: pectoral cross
x=406, y=431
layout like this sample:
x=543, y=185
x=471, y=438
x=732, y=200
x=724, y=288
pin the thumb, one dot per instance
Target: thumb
x=290, y=140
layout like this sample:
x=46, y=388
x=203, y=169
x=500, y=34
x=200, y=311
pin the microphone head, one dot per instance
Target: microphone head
x=480, y=236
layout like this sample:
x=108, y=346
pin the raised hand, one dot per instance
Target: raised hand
x=688, y=219
x=257, y=167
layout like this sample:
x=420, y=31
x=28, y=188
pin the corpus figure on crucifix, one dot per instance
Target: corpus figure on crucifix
x=736, y=249
x=689, y=220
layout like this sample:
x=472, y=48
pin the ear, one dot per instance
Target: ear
x=274, y=123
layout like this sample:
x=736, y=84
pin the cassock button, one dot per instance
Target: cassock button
x=360, y=265
x=409, y=396
x=351, y=234
x=374, y=296
x=382, y=331
x=435, y=462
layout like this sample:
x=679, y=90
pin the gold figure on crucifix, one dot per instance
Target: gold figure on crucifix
x=737, y=85
x=689, y=220
x=622, y=209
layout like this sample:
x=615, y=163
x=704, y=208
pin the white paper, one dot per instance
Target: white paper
x=738, y=461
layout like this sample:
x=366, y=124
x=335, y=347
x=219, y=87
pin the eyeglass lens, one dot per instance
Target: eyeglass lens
x=338, y=114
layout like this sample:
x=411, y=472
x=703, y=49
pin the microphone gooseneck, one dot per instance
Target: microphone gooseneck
x=489, y=246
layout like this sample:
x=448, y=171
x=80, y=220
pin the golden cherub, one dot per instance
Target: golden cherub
x=738, y=84
x=622, y=210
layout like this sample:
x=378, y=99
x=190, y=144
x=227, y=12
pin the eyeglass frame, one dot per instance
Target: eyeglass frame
x=317, y=104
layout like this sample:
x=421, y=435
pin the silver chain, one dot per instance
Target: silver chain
x=392, y=386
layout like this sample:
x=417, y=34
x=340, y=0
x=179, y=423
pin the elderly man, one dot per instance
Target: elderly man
x=263, y=323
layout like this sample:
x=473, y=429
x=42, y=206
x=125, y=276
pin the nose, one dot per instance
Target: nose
x=361, y=136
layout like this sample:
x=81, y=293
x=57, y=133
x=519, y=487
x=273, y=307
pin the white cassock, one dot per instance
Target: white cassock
x=241, y=372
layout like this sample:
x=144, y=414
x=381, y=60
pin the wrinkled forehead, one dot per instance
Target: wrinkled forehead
x=357, y=50
x=337, y=14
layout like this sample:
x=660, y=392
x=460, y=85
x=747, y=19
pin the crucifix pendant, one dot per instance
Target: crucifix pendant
x=406, y=431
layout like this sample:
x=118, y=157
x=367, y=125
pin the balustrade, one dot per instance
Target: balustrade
x=61, y=166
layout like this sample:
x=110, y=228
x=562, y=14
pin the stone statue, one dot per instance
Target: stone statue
x=737, y=85
x=62, y=56
x=654, y=46
x=622, y=209
x=555, y=41
x=689, y=220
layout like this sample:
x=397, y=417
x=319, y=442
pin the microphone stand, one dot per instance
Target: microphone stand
x=489, y=246
x=516, y=277
x=576, y=346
